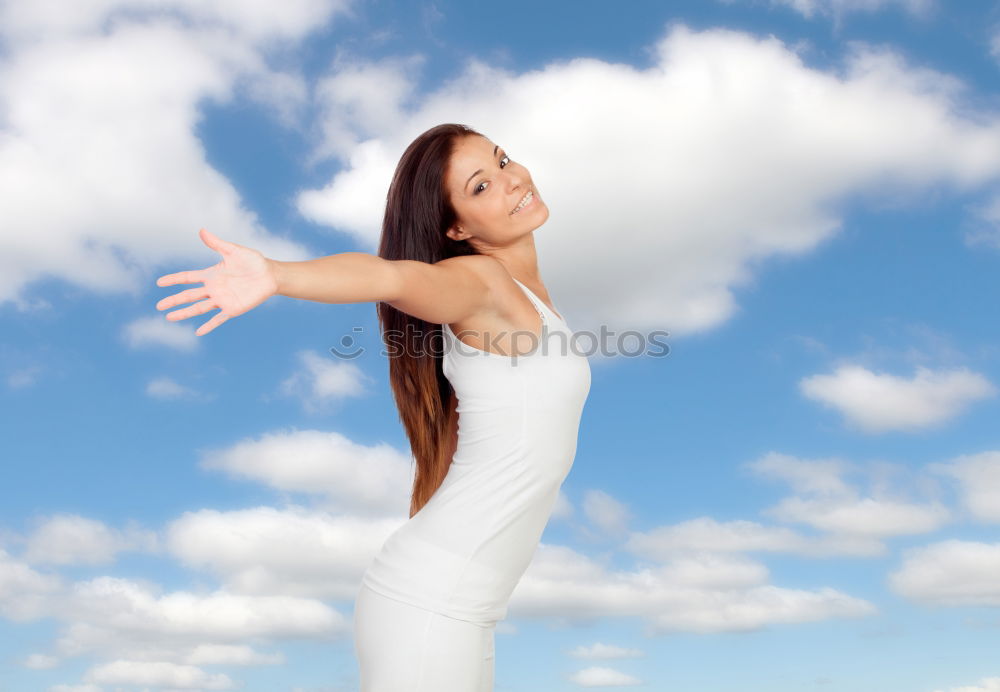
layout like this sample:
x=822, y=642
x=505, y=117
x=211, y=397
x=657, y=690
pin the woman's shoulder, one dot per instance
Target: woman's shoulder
x=508, y=306
x=492, y=272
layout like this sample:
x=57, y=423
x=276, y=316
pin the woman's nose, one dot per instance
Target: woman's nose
x=515, y=179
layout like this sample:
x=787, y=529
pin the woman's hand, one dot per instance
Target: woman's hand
x=241, y=281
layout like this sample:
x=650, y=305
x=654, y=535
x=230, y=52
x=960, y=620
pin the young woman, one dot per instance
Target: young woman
x=488, y=387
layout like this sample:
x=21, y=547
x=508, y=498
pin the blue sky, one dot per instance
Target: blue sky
x=803, y=494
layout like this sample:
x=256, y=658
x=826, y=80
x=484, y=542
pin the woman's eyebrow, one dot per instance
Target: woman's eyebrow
x=495, y=147
x=471, y=177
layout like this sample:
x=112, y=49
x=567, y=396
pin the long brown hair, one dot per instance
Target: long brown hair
x=417, y=214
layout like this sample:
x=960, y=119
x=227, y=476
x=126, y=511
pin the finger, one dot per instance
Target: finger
x=187, y=277
x=216, y=320
x=191, y=311
x=186, y=296
x=221, y=246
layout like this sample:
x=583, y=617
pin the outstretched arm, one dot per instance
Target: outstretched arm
x=442, y=292
x=347, y=277
x=445, y=291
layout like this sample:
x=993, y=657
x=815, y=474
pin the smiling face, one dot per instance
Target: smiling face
x=494, y=197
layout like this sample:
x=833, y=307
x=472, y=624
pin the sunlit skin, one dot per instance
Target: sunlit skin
x=240, y=281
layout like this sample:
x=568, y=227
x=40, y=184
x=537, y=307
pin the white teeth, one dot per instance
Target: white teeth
x=524, y=200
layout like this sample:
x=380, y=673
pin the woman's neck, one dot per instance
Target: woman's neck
x=520, y=259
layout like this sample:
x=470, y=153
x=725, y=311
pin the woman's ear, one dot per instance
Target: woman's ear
x=456, y=233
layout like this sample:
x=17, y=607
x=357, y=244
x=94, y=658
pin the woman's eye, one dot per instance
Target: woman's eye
x=480, y=187
x=504, y=161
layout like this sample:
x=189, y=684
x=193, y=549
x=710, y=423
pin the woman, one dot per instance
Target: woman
x=491, y=413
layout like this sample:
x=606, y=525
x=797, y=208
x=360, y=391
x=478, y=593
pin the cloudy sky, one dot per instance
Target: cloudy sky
x=801, y=493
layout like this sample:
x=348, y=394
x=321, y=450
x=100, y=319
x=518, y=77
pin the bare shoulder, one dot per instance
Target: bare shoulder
x=505, y=312
x=487, y=268
x=452, y=289
x=491, y=273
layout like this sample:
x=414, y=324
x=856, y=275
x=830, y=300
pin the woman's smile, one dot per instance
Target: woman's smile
x=525, y=201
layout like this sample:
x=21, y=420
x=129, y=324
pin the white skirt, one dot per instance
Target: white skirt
x=403, y=648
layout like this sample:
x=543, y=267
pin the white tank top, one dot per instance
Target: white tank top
x=466, y=549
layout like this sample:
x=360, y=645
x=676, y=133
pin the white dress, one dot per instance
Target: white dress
x=466, y=549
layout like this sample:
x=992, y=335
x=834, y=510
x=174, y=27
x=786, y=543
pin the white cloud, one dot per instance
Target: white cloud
x=600, y=650
x=986, y=227
x=698, y=593
x=979, y=478
x=354, y=202
x=230, y=654
x=41, y=662
x=606, y=513
x=985, y=685
x=506, y=627
x=287, y=94
x=563, y=508
x=370, y=95
x=75, y=688
x=275, y=566
x=863, y=516
x=848, y=521
x=24, y=377
x=252, y=21
x=705, y=534
x=157, y=331
x=603, y=677
x=813, y=476
x=157, y=638
x=838, y=8
x=101, y=171
x=68, y=539
x=128, y=607
x=375, y=480
x=24, y=592
x=876, y=124
x=269, y=551
x=324, y=378
x=828, y=503
x=157, y=674
x=879, y=402
x=167, y=388
x=120, y=619
x=951, y=572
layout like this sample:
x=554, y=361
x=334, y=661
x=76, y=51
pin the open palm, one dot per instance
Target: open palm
x=242, y=280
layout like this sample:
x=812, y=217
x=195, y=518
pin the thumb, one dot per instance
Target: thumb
x=221, y=246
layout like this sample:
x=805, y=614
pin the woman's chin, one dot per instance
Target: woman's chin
x=540, y=214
